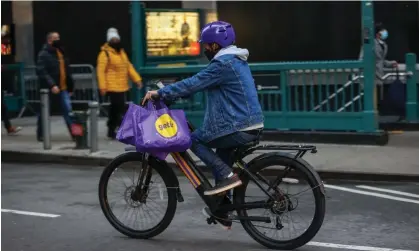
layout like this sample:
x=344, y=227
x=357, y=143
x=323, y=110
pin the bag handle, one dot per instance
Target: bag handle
x=155, y=105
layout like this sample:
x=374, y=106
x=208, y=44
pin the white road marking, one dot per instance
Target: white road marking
x=371, y=194
x=29, y=213
x=351, y=247
x=389, y=191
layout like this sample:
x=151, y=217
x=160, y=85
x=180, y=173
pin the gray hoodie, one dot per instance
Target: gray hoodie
x=243, y=54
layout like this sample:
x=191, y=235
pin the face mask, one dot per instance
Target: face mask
x=116, y=46
x=56, y=43
x=209, y=54
x=383, y=34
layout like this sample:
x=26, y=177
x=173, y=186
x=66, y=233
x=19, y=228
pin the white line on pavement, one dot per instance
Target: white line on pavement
x=372, y=194
x=351, y=247
x=29, y=213
x=389, y=191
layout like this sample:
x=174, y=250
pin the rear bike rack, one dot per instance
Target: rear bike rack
x=301, y=149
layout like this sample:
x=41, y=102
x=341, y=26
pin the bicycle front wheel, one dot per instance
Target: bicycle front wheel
x=137, y=208
x=292, y=185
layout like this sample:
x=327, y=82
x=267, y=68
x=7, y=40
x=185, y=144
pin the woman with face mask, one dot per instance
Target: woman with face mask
x=381, y=49
x=113, y=70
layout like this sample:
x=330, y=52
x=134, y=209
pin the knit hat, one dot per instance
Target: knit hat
x=112, y=33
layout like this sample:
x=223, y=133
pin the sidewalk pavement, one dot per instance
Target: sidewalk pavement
x=392, y=162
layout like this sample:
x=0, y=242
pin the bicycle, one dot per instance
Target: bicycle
x=278, y=203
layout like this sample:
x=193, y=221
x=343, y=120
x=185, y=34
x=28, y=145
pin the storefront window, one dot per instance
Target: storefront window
x=6, y=40
x=172, y=33
x=211, y=16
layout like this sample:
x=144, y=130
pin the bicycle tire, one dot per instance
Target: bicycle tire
x=169, y=179
x=320, y=202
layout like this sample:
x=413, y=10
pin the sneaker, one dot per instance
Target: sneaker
x=221, y=218
x=13, y=130
x=224, y=185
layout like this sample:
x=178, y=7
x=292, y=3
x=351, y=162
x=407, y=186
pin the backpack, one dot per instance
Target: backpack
x=107, y=54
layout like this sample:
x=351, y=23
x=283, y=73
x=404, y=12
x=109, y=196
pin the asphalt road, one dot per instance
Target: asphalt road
x=357, y=218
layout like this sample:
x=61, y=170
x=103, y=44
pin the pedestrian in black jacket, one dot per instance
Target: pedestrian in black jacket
x=53, y=72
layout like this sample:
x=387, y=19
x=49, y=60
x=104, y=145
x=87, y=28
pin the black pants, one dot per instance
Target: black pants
x=4, y=115
x=116, y=109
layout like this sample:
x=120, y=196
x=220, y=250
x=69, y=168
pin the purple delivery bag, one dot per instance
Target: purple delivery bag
x=158, y=129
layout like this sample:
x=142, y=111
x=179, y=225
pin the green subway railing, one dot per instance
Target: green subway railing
x=293, y=95
x=412, y=89
x=323, y=95
x=13, y=86
x=327, y=95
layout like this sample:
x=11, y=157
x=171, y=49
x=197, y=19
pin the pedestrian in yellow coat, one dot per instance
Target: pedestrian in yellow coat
x=113, y=70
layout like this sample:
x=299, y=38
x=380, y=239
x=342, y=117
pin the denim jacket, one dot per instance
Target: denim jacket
x=232, y=100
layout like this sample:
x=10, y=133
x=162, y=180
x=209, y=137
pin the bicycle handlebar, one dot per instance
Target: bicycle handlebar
x=160, y=85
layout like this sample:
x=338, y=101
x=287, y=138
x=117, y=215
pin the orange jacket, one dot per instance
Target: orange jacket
x=113, y=70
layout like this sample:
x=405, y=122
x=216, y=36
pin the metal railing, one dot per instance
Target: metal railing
x=385, y=77
x=93, y=114
x=347, y=84
x=85, y=86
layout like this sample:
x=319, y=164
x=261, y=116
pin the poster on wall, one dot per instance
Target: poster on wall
x=6, y=40
x=172, y=34
x=211, y=16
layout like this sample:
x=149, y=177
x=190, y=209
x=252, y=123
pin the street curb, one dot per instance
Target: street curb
x=8, y=156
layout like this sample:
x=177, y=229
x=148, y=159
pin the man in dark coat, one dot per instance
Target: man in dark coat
x=53, y=73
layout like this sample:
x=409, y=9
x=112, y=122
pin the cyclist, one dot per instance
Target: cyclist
x=233, y=116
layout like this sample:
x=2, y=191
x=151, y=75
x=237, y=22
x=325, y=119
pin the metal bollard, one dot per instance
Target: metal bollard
x=45, y=119
x=94, y=112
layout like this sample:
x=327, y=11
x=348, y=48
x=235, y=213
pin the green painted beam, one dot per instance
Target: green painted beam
x=137, y=41
x=412, y=102
x=260, y=67
x=370, y=115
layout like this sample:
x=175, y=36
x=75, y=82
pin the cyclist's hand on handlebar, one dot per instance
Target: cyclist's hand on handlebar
x=150, y=95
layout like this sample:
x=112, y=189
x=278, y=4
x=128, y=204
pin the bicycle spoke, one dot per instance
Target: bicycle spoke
x=291, y=224
x=136, y=215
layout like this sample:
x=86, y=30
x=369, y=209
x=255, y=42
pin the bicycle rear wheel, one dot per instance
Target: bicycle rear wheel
x=153, y=202
x=283, y=212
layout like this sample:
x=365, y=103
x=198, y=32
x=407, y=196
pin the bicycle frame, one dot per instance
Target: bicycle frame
x=199, y=181
x=220, y=210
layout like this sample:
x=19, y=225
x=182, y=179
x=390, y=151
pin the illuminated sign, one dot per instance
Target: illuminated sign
x=172, y=33
x=211, y=16
x=6, y=40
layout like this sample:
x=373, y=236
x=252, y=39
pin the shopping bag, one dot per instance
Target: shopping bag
x=125, y=132
x=158, y=129
x=396, y=98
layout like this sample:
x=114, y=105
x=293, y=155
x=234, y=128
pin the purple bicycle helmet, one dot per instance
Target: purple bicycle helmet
x=219, y=32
